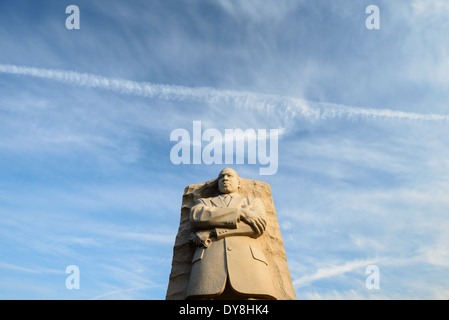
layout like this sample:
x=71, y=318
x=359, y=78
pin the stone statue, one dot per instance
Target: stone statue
x=229, y=244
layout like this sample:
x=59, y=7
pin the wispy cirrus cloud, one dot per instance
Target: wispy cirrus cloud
x=122, y=293
x=332, y=271
x=432, y=8
x=290, y=106
x=15, y=267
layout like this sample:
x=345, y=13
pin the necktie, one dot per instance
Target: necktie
x=227, y=199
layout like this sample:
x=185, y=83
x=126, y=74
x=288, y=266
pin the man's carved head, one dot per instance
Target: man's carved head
x=228, y=181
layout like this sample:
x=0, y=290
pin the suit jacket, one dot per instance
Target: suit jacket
x=234, y=255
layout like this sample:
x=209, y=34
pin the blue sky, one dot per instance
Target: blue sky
x=85, y=171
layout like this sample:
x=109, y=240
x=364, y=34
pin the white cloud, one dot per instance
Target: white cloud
x=121, y=294
x=35, y=270
x=431, y=8
x=331, y=271
x=420, y=29
x=259, y=11
x=289, y=108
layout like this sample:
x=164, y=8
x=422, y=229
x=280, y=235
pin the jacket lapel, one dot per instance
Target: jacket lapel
x=218, y=202
x=235, y=202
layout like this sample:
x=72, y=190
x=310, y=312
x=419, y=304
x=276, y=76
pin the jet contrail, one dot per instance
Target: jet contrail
x=292, y=107
x=323, y=273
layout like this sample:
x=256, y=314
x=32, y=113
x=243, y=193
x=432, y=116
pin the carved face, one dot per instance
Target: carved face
x=228, y=181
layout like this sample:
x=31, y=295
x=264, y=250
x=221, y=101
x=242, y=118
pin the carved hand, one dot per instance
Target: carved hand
x=201, y=238
x=254, y=219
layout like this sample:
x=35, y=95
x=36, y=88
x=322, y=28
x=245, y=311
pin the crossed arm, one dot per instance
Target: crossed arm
x=248, y=220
